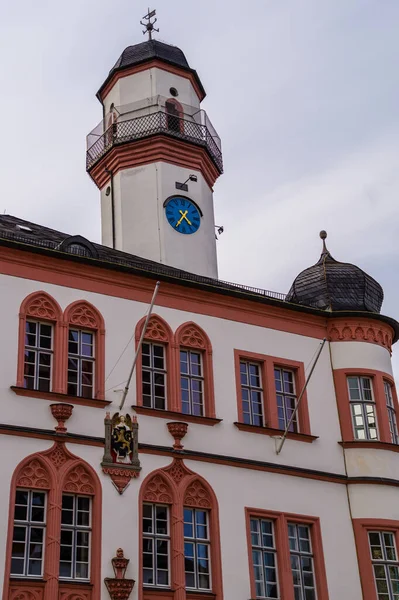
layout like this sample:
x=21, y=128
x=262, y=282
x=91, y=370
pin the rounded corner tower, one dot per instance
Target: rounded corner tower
x=155, y=157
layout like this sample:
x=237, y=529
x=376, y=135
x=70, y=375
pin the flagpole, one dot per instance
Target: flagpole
x=284, y=436
x=125, y=391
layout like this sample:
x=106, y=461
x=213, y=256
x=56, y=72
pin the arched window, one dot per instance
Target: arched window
x=174, y=112
x=38, y=340
x=42, y=484
x=154, y=375
x=195, y=371
x=84, y=371
x=179, y=516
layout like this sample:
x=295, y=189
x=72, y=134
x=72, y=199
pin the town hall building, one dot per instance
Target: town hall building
x=167, y=435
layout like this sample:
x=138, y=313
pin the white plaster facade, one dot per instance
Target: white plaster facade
x=249, y=488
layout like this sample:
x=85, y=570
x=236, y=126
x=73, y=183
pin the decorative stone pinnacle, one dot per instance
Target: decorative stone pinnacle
x=177, y=430
x=61, y=412
x=118, y=587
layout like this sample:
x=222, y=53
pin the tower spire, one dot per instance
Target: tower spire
x=149, y=25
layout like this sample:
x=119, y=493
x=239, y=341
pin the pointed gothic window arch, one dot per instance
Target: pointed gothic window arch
x=38, y=485
x=195, y=371
x=178, y=488
x=38, y=365
x=84, y=367
x=155, y=376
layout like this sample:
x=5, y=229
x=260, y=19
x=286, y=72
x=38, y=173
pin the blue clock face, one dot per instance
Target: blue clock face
x=182, y=215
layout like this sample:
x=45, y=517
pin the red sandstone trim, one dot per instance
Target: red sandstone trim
x=83, y=315
x=190, y=336
x=157, y=148
x=159, y=332
x=56, y=470
x=299, y=437
x=85, y=277
x=281, y=521
x=343, y=402
x=361, y=527
x=370, y=444
x=40, y=306
x=267, y=365
x=150, y=65
x=360, y=330
x=50, y=436
x=178, y=486
x=54, y=397
x=179, y=416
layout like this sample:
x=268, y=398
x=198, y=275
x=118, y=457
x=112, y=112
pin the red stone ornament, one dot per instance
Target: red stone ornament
x=61, y=412
x=118, y=587
x=177, y=430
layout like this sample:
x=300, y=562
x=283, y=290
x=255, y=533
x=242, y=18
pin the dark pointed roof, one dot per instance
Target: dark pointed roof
x=333, y=285
x=148, y=51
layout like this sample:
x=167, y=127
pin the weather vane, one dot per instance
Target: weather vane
x=149, y=25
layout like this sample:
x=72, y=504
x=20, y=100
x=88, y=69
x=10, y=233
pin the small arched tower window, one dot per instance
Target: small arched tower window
x=174, y=111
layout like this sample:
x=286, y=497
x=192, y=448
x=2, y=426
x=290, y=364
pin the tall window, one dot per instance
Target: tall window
x=393, y=425
x=156, y=545
x=197, y=549
x=385, y=564
x=251, y=393
x=302, y=561
x=38, y=356
x=362, y=408
x=27, y=553
x=80, y=363
x=153, y=375
x=286, y=398
x=264, y=558
x=192, y=382
x=75, y=537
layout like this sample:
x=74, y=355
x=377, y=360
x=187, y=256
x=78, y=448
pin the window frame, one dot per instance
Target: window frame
x=378, y=378
x=191, y=378
x=284, y=572
x=392, y=410
x=28, y=525
x=80, y=357
x=263, y=549
x=270, y=411
x=285, y=395
x=38, y=350
x=153, y=371
x=76, y=528
x=191, y=336
x=155, y=537
x=250, y=388
x=361, y=528
x=363, y=403
x=196, y=541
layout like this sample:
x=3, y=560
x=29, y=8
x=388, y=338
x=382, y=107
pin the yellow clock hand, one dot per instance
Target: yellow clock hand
x=183, y=216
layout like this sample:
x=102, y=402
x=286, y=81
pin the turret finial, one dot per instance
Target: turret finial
x=149, y=25
x=323, y=235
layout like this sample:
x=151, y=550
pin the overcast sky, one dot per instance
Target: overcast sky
x=304, y=94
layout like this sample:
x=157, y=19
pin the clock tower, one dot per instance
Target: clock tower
x=155, y=157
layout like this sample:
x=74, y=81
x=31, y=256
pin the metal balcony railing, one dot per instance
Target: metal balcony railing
x=152, y=124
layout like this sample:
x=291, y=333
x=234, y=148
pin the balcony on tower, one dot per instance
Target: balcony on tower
x=153, y=117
